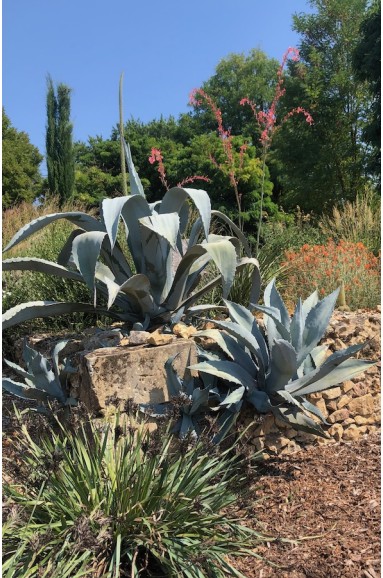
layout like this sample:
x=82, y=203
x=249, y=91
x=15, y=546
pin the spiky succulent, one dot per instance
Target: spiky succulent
x=275, y=369
x=150, y=287
x=44, y=382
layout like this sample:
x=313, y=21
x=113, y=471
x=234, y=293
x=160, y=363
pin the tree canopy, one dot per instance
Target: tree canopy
x=20, y=166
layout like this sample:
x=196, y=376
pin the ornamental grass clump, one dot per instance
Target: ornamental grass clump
x=110, y=502
x=325, y=267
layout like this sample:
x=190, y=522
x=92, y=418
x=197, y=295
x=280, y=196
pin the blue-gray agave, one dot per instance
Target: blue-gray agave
x=189, y=398
x=44, y=382
x=149, y=288
x=276, y=372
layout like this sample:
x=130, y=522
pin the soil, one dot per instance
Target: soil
x=326, y=499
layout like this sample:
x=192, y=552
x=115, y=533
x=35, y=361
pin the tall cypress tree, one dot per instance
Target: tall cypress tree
x=59, y=142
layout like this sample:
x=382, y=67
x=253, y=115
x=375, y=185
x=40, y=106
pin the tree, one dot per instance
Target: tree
x=59, y=145
x=367, y=68
x=317, y=166
x=20, y=166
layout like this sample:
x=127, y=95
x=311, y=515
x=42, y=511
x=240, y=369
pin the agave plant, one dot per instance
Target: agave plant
x=188, y=400
x=275, y=372
x=148, y=288
x=44, y=382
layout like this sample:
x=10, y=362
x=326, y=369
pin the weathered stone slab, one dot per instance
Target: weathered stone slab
x=135, y=373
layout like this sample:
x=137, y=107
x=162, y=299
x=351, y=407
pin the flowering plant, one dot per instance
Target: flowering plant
x=325, y=266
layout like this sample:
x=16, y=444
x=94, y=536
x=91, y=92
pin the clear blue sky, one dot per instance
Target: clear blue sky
x=165, y=49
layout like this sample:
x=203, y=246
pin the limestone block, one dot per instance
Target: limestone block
x=338, y=415
x=136, y=373
x=343, y=401
x=352, y=433
x=336, y=431
x=332, y=393
x=363, y=405
x=138, y=337
x=347, y=386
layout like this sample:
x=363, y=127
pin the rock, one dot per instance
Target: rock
x=136, y=373
x=343, y=401
x=360, y=420
x=290, y=433
x=352, y=433
x=348, y=421
x=347, y=386
x=332, y=393
x=138, y=337
x=321, y=405
x=332, y=405
x=336, y=431
x=184, y=331
x=110, y=338
x=362, y=405
x=338, y=415
x=275, y=444
x=377, y=403
x=268, y=426
x=360, y=389
x=157, y=338
x=258, y=443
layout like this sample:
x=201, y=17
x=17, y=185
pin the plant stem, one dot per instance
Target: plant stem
x=122, y=150
x=262, y=195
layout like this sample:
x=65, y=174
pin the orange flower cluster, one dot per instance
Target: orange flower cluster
x=324, y=267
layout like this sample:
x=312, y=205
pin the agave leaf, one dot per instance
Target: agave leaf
x=255, y=291
x=329, y=373
x=165, y=226
x=226, y=421
x=23, y=391
x=313, y=409
x=316, y=323
x=173, y=382
x=298, y=420
x=283, y=365
x=200, y=399
x=175, y=198
x=246, y=319
x=343, y=372
x=273, y=299
x=86, y=251
x=260, y=400
x=309, y=303
x=221, y=252
x=297, y=326
x=234, y=396
x=135, y=208
x=136, y=187
x=138, y=290
x=55, y=356
x=235, y=230
x=40, y=266
x=111, y=213
x=81, y=220
x=64, y=257
x=33, y=309
x=44, y=378
x=187, y=424
x=248, y=340
x=226, y=370
x=19, y=370
x=158, y=235
x=196, y=229
x=231, y=347
x=275, y=329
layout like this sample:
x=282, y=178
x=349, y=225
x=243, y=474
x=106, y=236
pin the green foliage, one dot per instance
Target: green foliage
x=59, y=146
x=112, y=501
x=367, y=68
x=157, y=289
x=21, y=178
x=316, y=166
x=45, y=382
x=275, y=373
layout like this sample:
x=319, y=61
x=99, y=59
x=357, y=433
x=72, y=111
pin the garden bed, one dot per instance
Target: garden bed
x=328, y=491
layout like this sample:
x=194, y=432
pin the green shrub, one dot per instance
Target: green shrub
x=117, y=501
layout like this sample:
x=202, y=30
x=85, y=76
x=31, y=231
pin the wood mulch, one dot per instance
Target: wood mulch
x=327, y=497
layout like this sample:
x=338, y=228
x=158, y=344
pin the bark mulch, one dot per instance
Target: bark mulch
x=331, y=491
